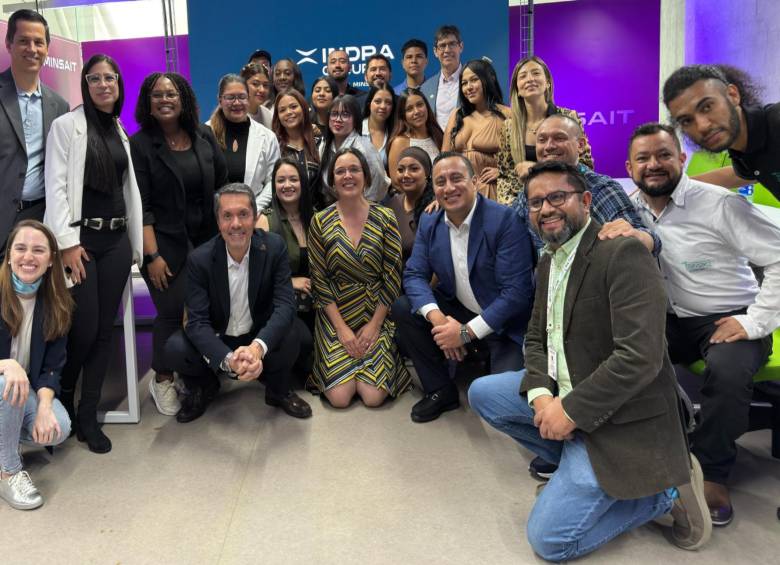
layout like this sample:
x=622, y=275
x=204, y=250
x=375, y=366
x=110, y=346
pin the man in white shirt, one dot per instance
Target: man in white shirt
x=239, y=322
x=716, y=309
x=443, y=87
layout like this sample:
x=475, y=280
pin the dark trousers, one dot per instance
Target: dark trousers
x=303, y=326
x=32, y=213
x=169, y=304
x=186, y=360
x=413, y=333
x=97, y=301
x=726, y=389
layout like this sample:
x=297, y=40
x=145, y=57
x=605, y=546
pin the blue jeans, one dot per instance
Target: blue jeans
x=572, y=515
x=16, y=425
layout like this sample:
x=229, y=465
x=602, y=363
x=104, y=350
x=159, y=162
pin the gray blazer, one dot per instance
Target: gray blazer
x=13, y=151
x=624, y=397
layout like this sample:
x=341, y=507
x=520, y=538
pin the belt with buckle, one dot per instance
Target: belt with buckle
x=102, y=224
x=24, y=204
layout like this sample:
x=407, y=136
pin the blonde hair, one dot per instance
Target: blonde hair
x=519, y=121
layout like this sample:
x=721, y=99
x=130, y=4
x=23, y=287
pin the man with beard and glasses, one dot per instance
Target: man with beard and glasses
x=711, y=111
x=560, y=138
x=598, y=396
x=716, y=310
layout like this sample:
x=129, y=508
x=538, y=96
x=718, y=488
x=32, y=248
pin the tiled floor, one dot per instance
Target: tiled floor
x=248, y=484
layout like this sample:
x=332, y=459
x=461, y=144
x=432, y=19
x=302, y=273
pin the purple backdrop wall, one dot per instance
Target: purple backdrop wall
x=745, y=34
x=604, y=57
x=137, y=58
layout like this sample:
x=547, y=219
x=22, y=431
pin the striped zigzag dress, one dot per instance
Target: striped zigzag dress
x=356, y=279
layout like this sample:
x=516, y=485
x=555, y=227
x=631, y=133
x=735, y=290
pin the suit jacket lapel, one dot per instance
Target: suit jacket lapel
x=578, y=269
x=10, y=101
x=37, y=345
x=476, y=233
x=49, y=109
x=257, y=257
x=444, y=249
x=220, y=274
x=167, y=159
x=252, y=152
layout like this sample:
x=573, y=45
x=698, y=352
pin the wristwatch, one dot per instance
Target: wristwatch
x=224, y=366
x=151, y=257
x=465, y=337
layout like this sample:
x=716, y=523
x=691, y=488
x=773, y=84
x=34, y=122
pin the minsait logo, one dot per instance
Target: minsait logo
x=357, y=56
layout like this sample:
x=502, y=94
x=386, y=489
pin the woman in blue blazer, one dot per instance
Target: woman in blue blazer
x=35, y=315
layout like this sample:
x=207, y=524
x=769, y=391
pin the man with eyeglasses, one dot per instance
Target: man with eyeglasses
x=443, y=87
x=598, y=395
x=482, y=258
x=28, y=109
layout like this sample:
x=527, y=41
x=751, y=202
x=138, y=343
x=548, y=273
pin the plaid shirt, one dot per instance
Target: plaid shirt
x=610, y=202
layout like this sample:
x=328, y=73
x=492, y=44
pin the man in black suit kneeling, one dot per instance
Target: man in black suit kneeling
x=239, y=308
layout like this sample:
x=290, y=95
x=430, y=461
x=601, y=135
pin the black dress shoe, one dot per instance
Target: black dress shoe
x=721, y=515
x=541, y=470
x=291, y=403
x=435, y=404
x=194, y=405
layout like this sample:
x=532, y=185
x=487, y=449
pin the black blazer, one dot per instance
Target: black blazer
x=162, y=190
x=46, y=357
x=271, y=298
x=13, y=150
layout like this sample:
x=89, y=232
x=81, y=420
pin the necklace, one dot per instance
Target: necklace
x=180, y=143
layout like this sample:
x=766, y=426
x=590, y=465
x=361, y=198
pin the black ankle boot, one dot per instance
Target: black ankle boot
x=89, y=431
x=66, y=398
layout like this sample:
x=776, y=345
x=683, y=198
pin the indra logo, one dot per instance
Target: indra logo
x=357, y=56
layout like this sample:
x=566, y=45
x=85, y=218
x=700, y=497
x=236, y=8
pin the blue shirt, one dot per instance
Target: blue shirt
x=404, y=85
x=31, y=109
x=610, y=202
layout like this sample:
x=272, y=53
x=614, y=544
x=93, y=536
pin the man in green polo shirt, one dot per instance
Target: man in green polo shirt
x=598, y=396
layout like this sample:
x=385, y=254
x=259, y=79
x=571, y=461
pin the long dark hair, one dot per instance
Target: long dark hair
x=491, y=90
x=432, y=127
x=390, y=122
x=351, y=105
x=310, y=148
x=188, y=119
x=99, y=171
x=304, y=203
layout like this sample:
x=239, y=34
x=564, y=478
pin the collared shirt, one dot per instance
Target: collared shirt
x=447, y=96
x=404, y=85
x=610, y=202
x=240, y=321
x=31, y=109
x=459, y=247
x=761, y=158
x=710, y=236
x=555, y=335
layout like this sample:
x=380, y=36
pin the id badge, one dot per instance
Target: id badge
x=552, y=364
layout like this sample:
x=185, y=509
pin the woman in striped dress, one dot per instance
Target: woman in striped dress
x=355, y=256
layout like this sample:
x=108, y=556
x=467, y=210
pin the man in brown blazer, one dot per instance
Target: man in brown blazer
x=598, y=396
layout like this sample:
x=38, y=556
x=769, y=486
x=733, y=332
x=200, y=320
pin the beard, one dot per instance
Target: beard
x=733, y=132
x=663, y=190
x=571, y=225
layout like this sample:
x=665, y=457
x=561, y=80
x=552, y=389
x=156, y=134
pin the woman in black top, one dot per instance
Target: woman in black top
x=179, y=166
x=289, y=216
x=94, y=209
x=323, y=91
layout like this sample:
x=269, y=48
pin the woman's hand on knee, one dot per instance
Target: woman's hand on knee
x=46, y=428
x=17, y=385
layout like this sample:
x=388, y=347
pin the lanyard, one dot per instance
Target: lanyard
x=552, y=290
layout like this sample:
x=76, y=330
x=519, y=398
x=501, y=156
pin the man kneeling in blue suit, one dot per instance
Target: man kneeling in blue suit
x=482, y=257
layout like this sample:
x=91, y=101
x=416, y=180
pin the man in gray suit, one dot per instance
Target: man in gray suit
x=27, y=109
x=598, y=396
x=442, y=89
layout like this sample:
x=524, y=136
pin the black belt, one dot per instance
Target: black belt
x=24, y=204
x=102, y=224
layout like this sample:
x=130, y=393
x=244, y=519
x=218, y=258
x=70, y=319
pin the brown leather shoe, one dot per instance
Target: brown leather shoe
x=291, y=403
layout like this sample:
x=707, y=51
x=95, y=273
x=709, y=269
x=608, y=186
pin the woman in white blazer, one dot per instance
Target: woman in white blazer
x=250, y=149
x=93, y=207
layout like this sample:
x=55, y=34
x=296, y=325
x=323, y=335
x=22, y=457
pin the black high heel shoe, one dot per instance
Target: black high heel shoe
x=89, y=431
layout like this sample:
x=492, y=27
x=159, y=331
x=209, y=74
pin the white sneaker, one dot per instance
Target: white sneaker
x=19, y=491
x=165, y=397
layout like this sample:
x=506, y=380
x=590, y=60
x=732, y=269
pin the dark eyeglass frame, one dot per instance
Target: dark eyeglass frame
x=559, y=196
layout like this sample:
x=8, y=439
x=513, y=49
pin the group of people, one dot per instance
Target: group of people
x=327, y=238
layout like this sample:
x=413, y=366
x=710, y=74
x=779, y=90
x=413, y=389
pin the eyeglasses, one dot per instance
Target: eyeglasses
x=447, y=45
x=164, y=95
x=341, y=171
x=343, y=116
x=233, y=97
x=94, y=79
x=556, y=199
